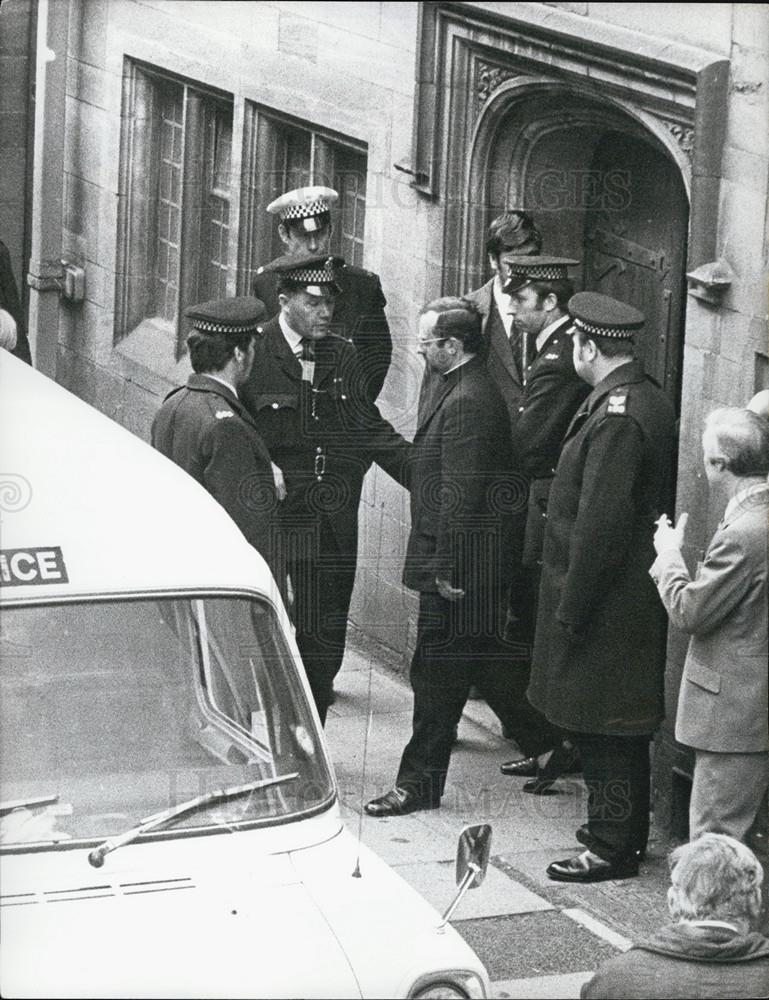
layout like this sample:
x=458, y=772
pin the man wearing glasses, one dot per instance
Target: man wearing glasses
x=458, y=554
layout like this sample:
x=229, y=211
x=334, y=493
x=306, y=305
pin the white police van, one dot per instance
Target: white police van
x=169, y=823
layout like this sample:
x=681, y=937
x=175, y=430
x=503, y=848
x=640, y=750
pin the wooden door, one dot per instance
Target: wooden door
x=635, y=247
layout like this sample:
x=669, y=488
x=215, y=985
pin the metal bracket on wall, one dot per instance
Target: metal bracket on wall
x=62, y=276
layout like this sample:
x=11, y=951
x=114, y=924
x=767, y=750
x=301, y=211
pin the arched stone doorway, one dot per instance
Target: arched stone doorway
x=605, y=187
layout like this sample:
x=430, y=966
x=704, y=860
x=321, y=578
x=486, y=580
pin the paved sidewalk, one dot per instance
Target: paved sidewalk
x=537, y=938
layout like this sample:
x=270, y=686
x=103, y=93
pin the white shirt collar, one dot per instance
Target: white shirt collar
x=465, y=359
x=224, y=381
x=293, y=338
x=503, y=304
x=737, y=499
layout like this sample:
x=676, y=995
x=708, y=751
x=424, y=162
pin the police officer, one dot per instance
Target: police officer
x=598, y=660
x=306, y=228
x=308, y=396
x=539, y=290
x=205, y=428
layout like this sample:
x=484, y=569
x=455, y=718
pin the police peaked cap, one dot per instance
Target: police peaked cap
x=228, y=316
x=600, y=316
x=305, y=205
x=314, y=271
x=535, y=268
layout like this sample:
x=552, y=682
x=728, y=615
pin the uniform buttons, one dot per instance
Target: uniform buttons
x=520, y=409
x=318, y=450
x=275, y=406
x=343, y=396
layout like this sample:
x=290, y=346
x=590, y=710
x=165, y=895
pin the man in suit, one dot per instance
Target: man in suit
x=511, y=235
x=458, y=554
x=722, y=706
x=308, y=397
x=305, y=228
x=205, y=428
x=598, y=662
x=539, y=289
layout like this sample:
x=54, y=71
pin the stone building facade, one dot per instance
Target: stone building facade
x=636, y=133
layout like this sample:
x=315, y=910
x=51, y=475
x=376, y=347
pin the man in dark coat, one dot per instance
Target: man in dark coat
x=711, y=952
x=305, y=228
x=598, y=660
x=539, y=290
x=205, y=428
x=458, y=555
x=308, y=397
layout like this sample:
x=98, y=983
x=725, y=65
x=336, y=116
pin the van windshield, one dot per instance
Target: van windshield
x=117, y=710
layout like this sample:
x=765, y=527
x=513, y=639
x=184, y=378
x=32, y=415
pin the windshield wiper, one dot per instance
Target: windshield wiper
x=97, y=855
x=41, y=800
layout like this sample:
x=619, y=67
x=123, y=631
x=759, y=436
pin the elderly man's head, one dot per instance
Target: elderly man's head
x=715, y=878
x=735, y=445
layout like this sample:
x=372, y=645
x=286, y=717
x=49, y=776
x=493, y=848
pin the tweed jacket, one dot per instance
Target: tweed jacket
x=722, y=705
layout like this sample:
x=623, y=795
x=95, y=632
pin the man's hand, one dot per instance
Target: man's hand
x=447, y=592
x=280, y=483
x=666, y=537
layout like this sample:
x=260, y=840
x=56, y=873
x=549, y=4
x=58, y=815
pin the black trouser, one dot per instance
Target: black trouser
x=450, y=656
x=323, y=581
x=617, y=775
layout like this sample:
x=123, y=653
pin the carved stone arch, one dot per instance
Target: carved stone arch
x=533, y=108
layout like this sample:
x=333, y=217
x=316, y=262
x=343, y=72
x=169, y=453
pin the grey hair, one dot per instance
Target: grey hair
x=743, y=439
x=715, y=877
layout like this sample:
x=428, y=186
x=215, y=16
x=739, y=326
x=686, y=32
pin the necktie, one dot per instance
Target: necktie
x=516, y=346
x=306, y=351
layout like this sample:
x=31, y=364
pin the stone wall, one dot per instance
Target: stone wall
x=350, y=67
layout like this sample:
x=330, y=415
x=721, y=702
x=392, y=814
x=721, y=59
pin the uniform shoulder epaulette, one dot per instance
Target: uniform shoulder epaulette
x=617, y=403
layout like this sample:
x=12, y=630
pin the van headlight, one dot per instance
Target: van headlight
x=454, y=985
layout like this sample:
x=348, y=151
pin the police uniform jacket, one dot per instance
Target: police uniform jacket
x=598, y=658
x=461, y=490
x=205, y=429
x=359, y=316
x=551, y=397
x=324, y=436
x=722, y=707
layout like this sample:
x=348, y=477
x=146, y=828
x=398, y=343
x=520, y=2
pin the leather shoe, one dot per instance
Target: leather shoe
x=397, y=802
x=526, y=767
x=588, y=867
x=563, y=760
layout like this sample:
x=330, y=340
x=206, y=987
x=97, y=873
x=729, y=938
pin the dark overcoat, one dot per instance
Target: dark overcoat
x=324, y=436
x=359, y=316
x=599, y=650
x=461, y=490
x=205, y=429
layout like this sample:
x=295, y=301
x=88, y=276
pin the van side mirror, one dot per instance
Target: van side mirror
x=473, y=852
